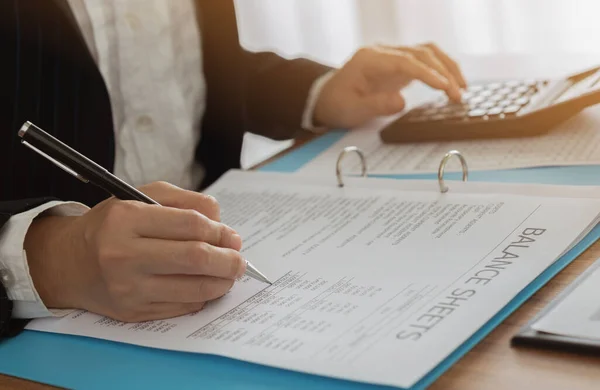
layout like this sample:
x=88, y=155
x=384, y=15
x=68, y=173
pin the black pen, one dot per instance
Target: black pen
x=88, y=171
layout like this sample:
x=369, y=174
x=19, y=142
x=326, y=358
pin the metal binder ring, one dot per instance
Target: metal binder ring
x=343, y=153
x=448, y=156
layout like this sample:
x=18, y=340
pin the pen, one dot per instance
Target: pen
x=88, y=171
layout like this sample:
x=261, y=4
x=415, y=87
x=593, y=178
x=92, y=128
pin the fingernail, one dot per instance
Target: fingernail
x=235, y=242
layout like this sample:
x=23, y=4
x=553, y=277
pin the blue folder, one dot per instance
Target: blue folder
x=85, y=363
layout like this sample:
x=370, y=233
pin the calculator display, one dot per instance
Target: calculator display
x=578, y=86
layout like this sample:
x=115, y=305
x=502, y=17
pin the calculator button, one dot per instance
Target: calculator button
x=493, y=86
x=495, y=111
x=487, y=105
x=474, y=88
x=513, y=96
x=495, y=98
x=486, y=93
x=522, y=89
x=522, y=101
x=512, y=83
x=504, y=103
x=477, y=113
x=504, y=91
x=467, y=95
x=476, y=100
x=511, y=109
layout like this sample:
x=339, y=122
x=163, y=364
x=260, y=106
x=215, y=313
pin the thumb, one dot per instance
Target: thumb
x=383, y=104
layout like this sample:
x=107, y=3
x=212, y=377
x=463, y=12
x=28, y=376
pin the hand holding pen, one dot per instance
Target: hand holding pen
x=131, y=260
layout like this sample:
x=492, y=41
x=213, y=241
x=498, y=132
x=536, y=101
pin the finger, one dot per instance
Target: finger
x=449, y=63
x=170, y=223
x=188, y=258
x=427, y=56
x=387, y=63
x=172, y=196
x=186, y=289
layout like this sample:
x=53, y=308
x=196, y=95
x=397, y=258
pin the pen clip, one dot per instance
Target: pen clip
x=58, y=163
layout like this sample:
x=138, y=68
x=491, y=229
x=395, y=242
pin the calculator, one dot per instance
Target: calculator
x=499, y=109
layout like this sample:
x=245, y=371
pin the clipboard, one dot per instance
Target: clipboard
x=79, y=362
x=527, y=336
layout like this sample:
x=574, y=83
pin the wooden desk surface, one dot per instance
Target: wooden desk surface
x=493, y=363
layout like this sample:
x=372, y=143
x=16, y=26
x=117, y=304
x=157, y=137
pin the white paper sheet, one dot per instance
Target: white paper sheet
x=376, y=282
x=578, y=314
x=576, y=142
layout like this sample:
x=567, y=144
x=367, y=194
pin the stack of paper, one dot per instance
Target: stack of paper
x=378, y=281
x=576, y=142
x=577, y=313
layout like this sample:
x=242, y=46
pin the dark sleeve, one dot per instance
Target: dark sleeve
x=260, y=92
x=277, y=92
x=9, y=327
x=48, y=77
x=5, y=312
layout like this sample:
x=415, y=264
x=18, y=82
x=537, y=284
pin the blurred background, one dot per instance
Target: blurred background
x=331, y=30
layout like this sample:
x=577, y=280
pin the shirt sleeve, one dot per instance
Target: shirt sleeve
x=311, y=102
x=14, y=270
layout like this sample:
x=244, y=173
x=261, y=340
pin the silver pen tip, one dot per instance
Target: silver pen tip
x=256, y=274
x=262, y=277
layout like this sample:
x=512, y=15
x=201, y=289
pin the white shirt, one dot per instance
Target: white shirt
x=149, y=54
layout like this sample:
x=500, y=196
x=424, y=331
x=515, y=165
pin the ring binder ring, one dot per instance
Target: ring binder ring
x=463, y=163
x=343, y=153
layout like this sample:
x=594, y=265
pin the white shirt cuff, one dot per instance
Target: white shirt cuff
x=311, y=102
x=13, y=259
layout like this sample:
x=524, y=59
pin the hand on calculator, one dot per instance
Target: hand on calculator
x=369, y=84
x=503, y=109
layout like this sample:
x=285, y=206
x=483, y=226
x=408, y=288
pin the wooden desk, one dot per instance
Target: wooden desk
x=494, y=364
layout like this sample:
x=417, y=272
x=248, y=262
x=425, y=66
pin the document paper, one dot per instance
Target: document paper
x=377, y=282
x=578, y=314
x=576, y=142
